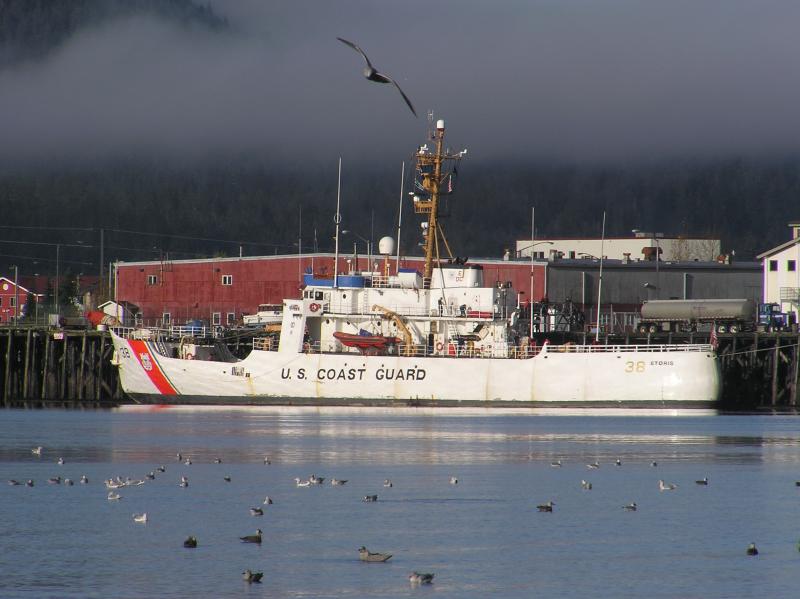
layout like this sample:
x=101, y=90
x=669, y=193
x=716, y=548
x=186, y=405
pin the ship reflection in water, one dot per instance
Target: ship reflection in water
x=481, y=535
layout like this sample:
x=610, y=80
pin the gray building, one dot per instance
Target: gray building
x=627, y=284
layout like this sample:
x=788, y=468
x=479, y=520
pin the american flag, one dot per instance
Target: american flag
x=713, y=339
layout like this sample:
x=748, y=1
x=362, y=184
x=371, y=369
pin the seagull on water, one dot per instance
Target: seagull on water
x=188, y=462
x=256, y=511
x=178, y=456
x=112, y=496
x=387, y=483
x=593, y=466
x=453, y=480
x=373, y=75
x=751, y=549
x=184, y=482
x=654, y=464
x=302, y=483
x=84, y=480
x=586, y=485
x=338, y=482
x=662, y=486
x=420, y=578
x=556, y=464
x=37, y=451
x=256, y=538
x=703, y=481
x=631, y=507
x=316, y=480
x=13, y=482
x=250, y=576
x=267, y=500
x=140, y=518
x=267, y=461
x=150, y=476
x=190, y=542
x=370, y=498
x=55, y=480
x=618, y=462
x=161, y=469
x=68, y=482
x=372, y=556
x=226, y=478
x=29, y=483
x=217, y=461
x=546, y=507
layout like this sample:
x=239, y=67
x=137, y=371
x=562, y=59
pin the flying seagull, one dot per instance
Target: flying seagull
x=373, y=75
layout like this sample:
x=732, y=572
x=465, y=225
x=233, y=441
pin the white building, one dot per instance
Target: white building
x=125, y=312
x=781, y=275
x=640, y=246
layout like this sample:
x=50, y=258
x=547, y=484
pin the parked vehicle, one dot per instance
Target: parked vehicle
x=770, y=318
x=727, y=315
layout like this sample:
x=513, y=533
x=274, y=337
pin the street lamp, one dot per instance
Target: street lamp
x=527, y=247
x=16, y=295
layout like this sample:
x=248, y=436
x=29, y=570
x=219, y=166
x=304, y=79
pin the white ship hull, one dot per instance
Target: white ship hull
x=569, y=376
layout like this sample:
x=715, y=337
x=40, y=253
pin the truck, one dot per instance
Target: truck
x=726, y=315
x=770, y=318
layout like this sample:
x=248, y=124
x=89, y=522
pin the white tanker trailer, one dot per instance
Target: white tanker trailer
x=728, y=315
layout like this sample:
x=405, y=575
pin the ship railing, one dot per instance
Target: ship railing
x=599, y=349
x=271, y=344
x=471, y=312
x=173, y=332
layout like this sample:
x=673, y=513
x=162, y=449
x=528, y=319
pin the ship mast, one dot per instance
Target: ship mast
x=433, y=181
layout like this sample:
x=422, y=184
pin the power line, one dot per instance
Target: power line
x=63, y=245
x=236, y=242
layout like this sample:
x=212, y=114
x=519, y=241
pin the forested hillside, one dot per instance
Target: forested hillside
x=30, y=29
x=150, y=206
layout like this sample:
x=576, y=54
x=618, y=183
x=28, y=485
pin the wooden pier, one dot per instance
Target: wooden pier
x=65, y=368
x=59, y=368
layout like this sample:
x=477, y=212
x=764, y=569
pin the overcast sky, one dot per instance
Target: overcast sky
x=607, y=80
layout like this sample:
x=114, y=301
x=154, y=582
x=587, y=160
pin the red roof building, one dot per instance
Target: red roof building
x=221, y=290
x=13, y=300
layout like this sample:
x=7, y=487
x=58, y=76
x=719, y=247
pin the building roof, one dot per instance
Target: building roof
x=10, y=282
x=131, y=307
x=780, y=248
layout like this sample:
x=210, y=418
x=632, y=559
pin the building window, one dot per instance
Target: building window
x=166, y=318
x=1, y=302
x=571, y=255
x=152, y=279
x=773, y=265
x=227, y=279
x=791, y=266
x=216, y=319
x=231, y=318
x=12, y=301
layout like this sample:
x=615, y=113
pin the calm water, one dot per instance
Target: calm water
x=482, y=537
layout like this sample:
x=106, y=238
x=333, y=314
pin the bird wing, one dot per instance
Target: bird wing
x=405, y=97
x=357, y=49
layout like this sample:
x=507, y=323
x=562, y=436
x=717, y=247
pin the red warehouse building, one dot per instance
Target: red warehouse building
x=221, y=290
